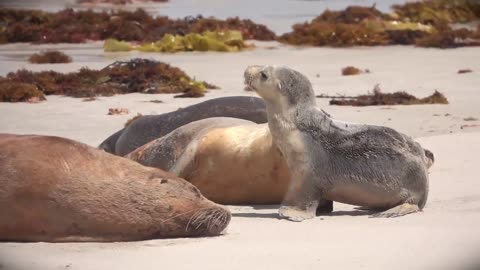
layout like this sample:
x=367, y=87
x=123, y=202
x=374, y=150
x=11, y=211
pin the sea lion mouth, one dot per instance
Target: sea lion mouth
x=248, y=83
x=209, y=221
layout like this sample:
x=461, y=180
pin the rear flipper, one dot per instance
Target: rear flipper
x=398, y=211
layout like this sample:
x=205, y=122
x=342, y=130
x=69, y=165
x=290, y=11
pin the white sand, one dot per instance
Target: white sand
x=445, y=236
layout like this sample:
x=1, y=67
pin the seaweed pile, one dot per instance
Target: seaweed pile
x=136, y=75
x=49, y=57
x=70, y=26
x=351, y=70
x=229, y=41
x=378, y=98
x=425, y=24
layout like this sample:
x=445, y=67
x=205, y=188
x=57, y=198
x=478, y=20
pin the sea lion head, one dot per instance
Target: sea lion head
x=280, y=84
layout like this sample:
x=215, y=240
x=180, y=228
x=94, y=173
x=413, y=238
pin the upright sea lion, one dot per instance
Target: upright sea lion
x=150, y=127
x=57, y=190
x=329, y=160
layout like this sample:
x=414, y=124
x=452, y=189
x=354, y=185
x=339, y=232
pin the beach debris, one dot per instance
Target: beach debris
x=19, y=92
x=89, y=99
x=118, y=111
x=129, y=121
x=463, y=71
x=154, y=101
x=121, y=77
x=469, y=126
x=397, y=98
x=228, y=41
x=351, y=70
x=49, y=57
x=425, y=24
x=78, y=26
x=470, y=119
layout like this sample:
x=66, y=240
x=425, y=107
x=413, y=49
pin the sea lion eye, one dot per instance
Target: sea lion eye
x=263, y=75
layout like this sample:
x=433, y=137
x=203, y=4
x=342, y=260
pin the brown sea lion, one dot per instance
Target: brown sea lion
x=252, y=169
x=57, y=190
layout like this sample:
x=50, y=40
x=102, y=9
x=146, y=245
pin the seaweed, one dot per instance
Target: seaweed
x=425, y=24
x=121, y=77
x=229, y=41
x=377, y=98
x=19, y=92
x=71, y=26
x=118, y=111
x=347, y=71
x=436, y=12
x=463, y=71
x=49, y=57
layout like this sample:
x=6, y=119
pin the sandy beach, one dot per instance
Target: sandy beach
x=445, y=235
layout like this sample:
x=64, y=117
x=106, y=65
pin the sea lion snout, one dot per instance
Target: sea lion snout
x=250, y=73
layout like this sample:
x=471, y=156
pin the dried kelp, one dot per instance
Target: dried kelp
x=70, y=26
x=378, y=98
x=49, y=57
x=425, y=24
x=19, y=92
x=134, y=76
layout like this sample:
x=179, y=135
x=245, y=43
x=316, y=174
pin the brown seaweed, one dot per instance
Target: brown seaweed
x=350, y=70
x=19, y=92
x=377, y=98
x=425, y=24
x=134, y=76
x=49, y=57
x=70, y=26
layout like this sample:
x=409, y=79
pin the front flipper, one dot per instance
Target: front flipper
x=398, y=211
x=301, y=201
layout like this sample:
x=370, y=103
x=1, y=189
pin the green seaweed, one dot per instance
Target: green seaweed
x=229, y=41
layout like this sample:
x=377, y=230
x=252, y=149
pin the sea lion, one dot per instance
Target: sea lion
x=231, y=161
x=370, y=166
x=150, y=127
x=57, y=190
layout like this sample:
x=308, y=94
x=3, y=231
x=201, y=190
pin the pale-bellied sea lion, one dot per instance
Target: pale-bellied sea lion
x=231, y=161
x=57, y=190
x=150, y=127
x=329, y=160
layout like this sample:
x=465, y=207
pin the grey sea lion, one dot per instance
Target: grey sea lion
x=57, y=190
x=150, y=127
x=370, y=166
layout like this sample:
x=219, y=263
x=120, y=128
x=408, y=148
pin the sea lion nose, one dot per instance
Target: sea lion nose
x=251, y=70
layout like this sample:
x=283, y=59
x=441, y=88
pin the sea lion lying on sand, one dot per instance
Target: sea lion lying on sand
x=57, y=190
x=150, y=127
x=370, y=166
